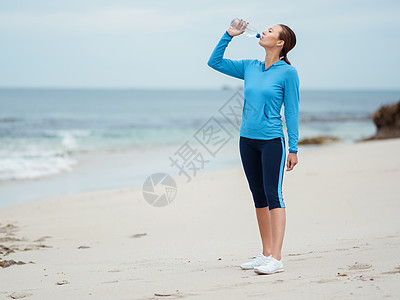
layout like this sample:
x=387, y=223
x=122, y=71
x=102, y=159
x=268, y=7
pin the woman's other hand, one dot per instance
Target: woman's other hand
x=233, y=32
x=291, y=161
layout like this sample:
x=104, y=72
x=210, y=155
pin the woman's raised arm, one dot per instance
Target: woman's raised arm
x=234, y=68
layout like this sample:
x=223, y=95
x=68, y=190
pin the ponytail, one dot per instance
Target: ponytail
x=286, y=59
x=288, y=36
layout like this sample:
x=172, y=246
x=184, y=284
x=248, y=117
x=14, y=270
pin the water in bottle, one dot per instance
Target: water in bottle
x=250, y=31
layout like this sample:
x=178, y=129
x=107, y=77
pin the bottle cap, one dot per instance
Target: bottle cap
x=258, y=35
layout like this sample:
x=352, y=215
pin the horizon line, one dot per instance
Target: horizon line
x=223, y=87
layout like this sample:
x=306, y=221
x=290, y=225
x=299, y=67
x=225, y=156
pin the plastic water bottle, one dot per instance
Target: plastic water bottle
x=250, y=31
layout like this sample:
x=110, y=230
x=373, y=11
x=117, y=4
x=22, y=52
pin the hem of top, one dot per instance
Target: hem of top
x=263, y=138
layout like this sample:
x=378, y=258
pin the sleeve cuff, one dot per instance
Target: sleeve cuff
x=228, y=34
x=293, y=151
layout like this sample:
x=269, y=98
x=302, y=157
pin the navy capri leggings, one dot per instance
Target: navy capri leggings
x=263, y=163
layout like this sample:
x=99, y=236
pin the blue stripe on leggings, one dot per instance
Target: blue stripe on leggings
x=281, y=173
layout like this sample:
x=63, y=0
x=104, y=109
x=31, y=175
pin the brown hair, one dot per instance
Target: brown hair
x=288, y=36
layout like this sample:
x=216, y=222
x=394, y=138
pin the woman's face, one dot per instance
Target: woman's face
x=270, y=37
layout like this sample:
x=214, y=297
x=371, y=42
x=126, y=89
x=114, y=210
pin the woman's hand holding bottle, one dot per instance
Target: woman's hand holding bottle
x=238, y=28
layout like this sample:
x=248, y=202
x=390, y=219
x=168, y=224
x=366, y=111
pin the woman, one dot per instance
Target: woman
x=268, y=85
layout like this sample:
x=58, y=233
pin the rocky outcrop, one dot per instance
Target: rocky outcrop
x=318, y=140
x=387, y=122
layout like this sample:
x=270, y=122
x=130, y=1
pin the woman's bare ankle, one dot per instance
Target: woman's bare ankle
x=267, y=253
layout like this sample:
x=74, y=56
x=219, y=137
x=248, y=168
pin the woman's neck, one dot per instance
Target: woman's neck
x=271, y=59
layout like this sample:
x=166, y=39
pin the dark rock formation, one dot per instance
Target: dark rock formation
x=387, y=122
x=318, y=140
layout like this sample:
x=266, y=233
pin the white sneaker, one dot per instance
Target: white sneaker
x=273, y=266
x=255, y=262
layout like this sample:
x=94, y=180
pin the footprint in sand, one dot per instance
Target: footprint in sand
x=138, y=235
x=395, y=271
x=19, y=295
x=358, y=266
x=13, y=244
x=112, y=281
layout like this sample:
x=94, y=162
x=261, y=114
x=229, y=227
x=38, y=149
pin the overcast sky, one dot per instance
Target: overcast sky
x=341, y=44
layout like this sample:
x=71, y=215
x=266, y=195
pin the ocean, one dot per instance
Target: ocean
x=45, y=133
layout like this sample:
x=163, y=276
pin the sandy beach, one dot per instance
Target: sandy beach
x=342, y=236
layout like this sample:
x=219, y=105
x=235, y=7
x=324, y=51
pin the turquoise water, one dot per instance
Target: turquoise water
x=42, y=130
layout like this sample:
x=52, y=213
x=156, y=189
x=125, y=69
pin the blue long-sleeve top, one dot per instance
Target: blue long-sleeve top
x=265, y=91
